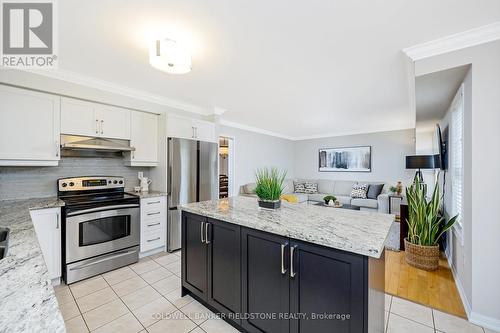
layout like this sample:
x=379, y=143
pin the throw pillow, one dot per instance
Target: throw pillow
x=374, y=191
x=359, y=191
x=311, y=188
x=299, y=188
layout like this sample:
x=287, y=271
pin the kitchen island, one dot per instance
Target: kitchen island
x=301, y=268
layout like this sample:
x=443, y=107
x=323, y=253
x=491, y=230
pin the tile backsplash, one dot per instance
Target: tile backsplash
x=35, y=182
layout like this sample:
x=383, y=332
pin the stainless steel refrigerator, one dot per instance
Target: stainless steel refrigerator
x=192, y=177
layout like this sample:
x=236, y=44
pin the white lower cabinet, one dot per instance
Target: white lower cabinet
x=153, y=223
x=47, y=224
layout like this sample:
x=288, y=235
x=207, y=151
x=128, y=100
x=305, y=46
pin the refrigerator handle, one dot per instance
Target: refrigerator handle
x=169, y=167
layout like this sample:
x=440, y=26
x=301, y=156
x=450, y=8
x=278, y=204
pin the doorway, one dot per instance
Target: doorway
x=226, y=167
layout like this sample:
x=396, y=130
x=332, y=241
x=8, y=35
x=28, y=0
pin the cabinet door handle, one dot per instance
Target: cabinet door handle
x=207, y=240
x=192, y=134
x=156, y=213
x=57, y=148
x=292, y=251
x=201, y=231
x=57, y=222
x=283, y=268
x=153, y=224
x=196, y=132
x=97, y=126
x=102, y=126
x=154, y=239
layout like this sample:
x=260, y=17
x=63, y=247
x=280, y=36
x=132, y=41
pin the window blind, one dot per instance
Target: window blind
x=456, y=150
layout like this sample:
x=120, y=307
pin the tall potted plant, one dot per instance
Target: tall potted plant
x=425, y=227
x=269, y=186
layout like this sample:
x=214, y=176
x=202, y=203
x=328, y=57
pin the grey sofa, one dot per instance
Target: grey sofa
x=341, y=189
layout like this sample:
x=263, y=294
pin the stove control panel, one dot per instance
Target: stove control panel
x=90, y=183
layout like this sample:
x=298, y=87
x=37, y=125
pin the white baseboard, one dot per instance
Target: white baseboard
x=461, y=291
x=485, y=321
x=151, y=252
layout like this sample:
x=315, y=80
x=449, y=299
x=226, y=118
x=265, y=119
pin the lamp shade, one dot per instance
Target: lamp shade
x=422, y=162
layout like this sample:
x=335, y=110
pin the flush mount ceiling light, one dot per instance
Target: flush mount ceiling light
x=169, y=56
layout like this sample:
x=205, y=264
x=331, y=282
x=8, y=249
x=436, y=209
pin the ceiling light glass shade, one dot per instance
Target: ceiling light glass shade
x=169, y=56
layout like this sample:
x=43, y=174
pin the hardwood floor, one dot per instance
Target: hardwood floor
x=435, y=289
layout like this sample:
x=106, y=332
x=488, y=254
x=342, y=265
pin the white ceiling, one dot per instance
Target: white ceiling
x=297, y=68
x=434, y=93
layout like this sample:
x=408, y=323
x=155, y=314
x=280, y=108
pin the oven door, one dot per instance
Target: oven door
x=95, y=231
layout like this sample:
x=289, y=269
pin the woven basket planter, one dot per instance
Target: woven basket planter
x=423, y=257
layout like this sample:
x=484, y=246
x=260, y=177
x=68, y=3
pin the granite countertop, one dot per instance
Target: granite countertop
x=27, y=299
x=353, y=231
x=150, y=194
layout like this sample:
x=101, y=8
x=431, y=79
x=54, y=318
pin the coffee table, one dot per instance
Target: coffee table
x=344, y=206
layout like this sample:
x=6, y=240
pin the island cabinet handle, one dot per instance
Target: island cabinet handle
x=207, y=240
x=283, y=268
x=292, y=251
x=201, y=231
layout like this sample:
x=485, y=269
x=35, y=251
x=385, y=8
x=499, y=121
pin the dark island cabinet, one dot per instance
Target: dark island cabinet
x=265, y=282
x=325, y=287
x=194, y=262
x=268, y=283
x=211, y=266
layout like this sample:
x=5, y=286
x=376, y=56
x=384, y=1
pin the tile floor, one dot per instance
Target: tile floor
x=145, y=297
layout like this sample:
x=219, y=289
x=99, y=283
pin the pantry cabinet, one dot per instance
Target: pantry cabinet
x=29, y=127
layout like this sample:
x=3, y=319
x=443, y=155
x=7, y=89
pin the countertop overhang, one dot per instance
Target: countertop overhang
x=357, y=232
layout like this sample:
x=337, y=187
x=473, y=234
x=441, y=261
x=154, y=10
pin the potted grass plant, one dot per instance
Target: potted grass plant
x=269, y=186
x=425, y=227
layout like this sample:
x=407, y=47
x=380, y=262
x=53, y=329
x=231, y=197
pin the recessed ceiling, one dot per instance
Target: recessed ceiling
x=434, y=93
x=298, y=68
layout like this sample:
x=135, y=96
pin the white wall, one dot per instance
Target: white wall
x=388, y=156
x=254, y=151
x=481, y=255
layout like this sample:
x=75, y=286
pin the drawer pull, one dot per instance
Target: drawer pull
x=156, y=213
x=154, y=239
x=152, y=225
x=153, y=202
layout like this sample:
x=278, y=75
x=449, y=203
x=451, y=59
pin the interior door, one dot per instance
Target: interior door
x=326, y=281
x=208, y=160
x=182, y=185
x=265, y=282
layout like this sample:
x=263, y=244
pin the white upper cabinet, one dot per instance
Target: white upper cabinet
x=187, y=128
x=114, y=122
x=144, y=138
x=93, y=119
x=29, y=127
x=204, y=130
x=78, y=117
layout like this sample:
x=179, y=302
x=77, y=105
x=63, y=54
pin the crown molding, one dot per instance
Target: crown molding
x=458, y=41
x=352, y=132
x=92, y=82
x=308, y=137
x=253, y=129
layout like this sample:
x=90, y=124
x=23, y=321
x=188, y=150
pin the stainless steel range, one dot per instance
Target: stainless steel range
x=101, y=226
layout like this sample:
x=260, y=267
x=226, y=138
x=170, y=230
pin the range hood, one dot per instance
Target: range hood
x=84, y=146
